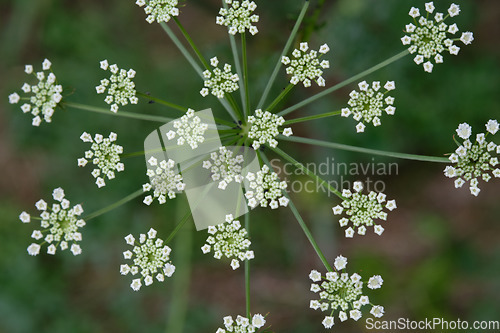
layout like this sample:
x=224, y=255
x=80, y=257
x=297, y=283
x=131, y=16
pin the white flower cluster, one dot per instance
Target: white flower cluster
x=428, y=38
x=59, y=225
x=189, y=130
x=239, y=17
x=265, y=127
x=224, y=167
x=120, y=87
x=242, y=324
x=474, y=160
x=362, y=209
x=104, y=154
x=266, y=189
x=366, y=106
x=306, y=67
x=342, y=291
x=229, y=240
x=43, y=97
x=218, y=82
x=162, y=180
x=159, y=10
x=150, y=259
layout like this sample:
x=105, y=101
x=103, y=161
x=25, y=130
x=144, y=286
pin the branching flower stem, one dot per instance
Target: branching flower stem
x=280, y=97
x=334, y=145
x=288, y=44
x=302, y=224
x=344, y=83
x=314, y=117
x=114, y=205
x=246, y=105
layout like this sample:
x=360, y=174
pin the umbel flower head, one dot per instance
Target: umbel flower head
x=162, y=180
x=242, y=324
x=41, y=98
x=189, y=129
x=218, y=82
x=239, y=17
x=343, y=292
x=266, y=189
x=429, y=37
x=264, y=128
x=119, y=87
x=306, y=67
x=159, y=10
x=150, y=258
x=367, y=105
x=104, y=154
x=230, y=240
x=224, y=167
x=474, y=161
x=362, y=210
x=59, y=225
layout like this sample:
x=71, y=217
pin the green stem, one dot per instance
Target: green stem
x=318, y=116
x=246, y=105
x=302, y=224
x=113, y=206
x=366, y=150
x=160, y=101
x=117, y=114
x=239, y=71
x=247, y=269
x=178, y=227
x=181, y=48
x=308, y=172
x=191, y=43
x=288, y=44
x=280, y=97
x=233, y=104
x=344, y=83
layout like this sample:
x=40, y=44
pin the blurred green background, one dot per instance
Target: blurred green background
x=439, y=255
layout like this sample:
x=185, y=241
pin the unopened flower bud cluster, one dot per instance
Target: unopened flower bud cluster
x=218, y=82
x=362, y=210
x=239, y=17
x=159, y=10
x=224, y=168
x=150, y=259
x=189, y=129
x=41, y=98
x=368, y=104
x=474, y=161
x=104, y=154
x=306, y=66
x=242, y=324
x=343, y=292
x=163, y=181
x=265, y=127
x=429, y=37
x=59, y=225
x=229, y=240
x=266, y=189
x=120, y=88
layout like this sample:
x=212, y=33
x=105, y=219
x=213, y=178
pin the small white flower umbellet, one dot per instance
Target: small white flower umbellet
x=265, y=127
x=120, y=88
x=339, y=291
x=306, y=66
x=163, y=180
x=362, y=210
x=217, y=81
x=59, y=225
x=474, y=161
x=242, y=324
x=189, y=129
x=42, y=98
x=104, y=154
x=429, y=37
x=224, y=167
x=159, y=10
x=150, y=259
x=368, y=104
x=265, y=189
x=239, y=17
x=229, y=240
